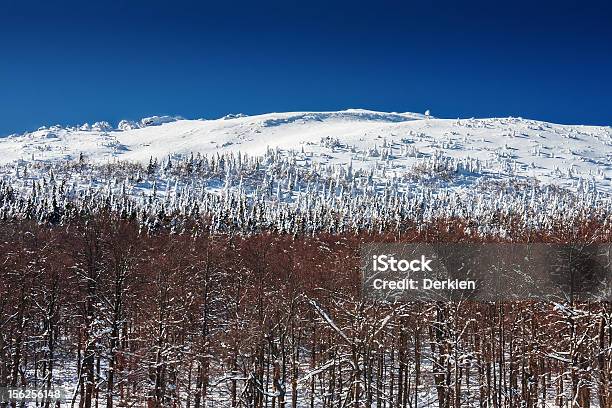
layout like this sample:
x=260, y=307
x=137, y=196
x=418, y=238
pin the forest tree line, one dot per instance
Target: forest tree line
x=123, y=318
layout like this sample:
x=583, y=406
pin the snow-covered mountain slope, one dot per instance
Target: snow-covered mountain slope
x=160, y=136
x=552, y=153
x=315, y=171
x=506, y=146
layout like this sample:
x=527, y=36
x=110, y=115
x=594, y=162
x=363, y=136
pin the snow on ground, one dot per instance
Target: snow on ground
x=558, y=154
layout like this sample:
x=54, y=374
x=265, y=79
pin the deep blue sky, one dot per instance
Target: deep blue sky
x=71, y=62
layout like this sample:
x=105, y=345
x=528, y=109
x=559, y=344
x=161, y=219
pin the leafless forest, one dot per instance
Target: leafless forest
x=122, y=318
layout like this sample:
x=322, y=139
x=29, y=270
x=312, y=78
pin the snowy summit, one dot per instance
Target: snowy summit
x=550, y=153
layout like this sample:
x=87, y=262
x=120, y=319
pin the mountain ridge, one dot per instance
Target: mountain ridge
x=551, y=153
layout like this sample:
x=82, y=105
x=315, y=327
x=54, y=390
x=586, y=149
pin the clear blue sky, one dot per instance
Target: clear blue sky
x=72, y=62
